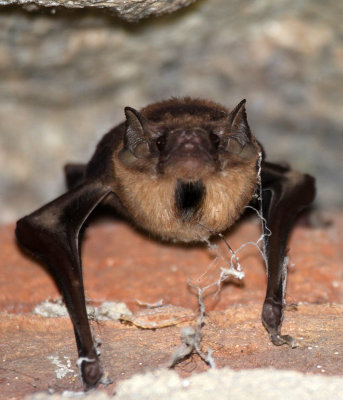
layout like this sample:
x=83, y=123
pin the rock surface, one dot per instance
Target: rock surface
x=222, y=385
x=129, y=10
x=38, y=353
x=66, y=76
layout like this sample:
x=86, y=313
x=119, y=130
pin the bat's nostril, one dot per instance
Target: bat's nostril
x=191, y=137
x=186, y=135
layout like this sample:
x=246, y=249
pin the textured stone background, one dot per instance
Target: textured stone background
x=129, y=10
x=136, y=268
x=65, y=76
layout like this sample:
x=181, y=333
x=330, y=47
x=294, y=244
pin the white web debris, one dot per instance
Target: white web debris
x=157, y=304
x=233, y=267
x=191, y=337
x=106, y=311
x=51, y=308
x=284, y=277
x=63, y=368
x=112, y=311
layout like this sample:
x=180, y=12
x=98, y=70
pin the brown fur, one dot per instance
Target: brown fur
x=174, y=111
x=150, y=201
x=149, y=196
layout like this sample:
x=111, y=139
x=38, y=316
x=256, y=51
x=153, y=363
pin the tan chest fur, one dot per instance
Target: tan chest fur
x=151, y=202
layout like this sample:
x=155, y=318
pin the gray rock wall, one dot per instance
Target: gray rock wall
x=129, y=10
x=66, y=75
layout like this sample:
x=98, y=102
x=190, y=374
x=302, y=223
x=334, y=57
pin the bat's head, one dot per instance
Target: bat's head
x=184, y=164
x=187, y=139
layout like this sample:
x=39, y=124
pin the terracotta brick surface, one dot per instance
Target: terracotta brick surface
x=121, y=264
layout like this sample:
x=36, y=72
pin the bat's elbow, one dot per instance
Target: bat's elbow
x=27, y=234
x=22, y=230
x=310, y=184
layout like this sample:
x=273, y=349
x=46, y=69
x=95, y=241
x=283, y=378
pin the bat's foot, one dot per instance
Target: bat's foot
x=272, y=317
x=91, y=372
x=279, y=340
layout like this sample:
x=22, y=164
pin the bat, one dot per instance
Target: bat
x=179, y=169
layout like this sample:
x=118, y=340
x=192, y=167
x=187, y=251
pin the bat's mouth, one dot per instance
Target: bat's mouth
x=188, y=162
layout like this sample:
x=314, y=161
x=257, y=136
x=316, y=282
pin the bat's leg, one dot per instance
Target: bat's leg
x=284, y=194
x=52, y=235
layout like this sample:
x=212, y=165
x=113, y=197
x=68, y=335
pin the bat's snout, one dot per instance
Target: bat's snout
x=190, y=150
x=194, y=142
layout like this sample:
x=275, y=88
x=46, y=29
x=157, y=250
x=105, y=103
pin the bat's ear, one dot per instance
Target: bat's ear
x=238, y=123
x=136, y=139
x=135, y=134
x=240, y=141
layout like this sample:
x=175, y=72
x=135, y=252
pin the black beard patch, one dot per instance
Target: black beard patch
x=188, y=198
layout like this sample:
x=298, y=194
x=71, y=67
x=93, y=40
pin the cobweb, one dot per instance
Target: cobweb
x=191, y=336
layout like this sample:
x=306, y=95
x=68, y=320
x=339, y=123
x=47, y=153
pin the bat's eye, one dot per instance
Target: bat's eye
x=160, y=142
x=215, y=139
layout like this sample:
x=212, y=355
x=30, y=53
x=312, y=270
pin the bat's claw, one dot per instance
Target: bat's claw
x=106, y=380
x=279, y=340
x=272, y=317
x=91, y=372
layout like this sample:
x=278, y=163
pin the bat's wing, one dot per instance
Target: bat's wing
x=284, y=193
x=52, y=235
x=75, y=174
